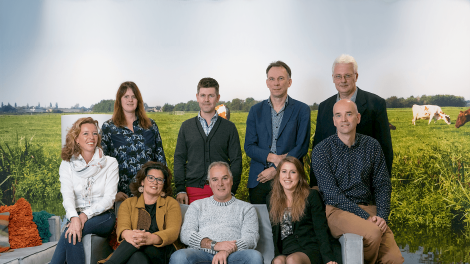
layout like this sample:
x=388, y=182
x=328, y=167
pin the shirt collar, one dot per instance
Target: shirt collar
x=353, y=97
x=271, y=104
x=212, y=119
x=341, y=143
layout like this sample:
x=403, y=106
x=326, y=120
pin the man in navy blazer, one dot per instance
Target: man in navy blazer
x=275, y=128
x=373, y=110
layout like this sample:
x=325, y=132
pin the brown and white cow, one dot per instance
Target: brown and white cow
x=463, y=118
x=429, y=112
x=223, y=111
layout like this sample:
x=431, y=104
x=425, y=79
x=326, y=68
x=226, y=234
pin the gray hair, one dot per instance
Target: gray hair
x=218, y=163
x=344, y=58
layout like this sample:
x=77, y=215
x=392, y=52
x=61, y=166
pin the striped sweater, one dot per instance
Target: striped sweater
x=232, y=220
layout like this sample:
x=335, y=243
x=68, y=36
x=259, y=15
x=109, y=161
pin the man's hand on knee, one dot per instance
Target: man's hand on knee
x=379, y=221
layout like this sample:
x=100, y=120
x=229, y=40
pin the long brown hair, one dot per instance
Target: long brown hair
x=278, y=200
x=142, y=173
x=118, y=116
x=71, y=148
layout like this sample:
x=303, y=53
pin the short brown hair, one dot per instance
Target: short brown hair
x=208, y=83
x=71, y=148
x=279, y=64
x=142, y=173
x=118, y=116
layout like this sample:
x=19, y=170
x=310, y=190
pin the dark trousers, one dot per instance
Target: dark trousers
x=259, y=193
x=127, y=253
x=101, y=225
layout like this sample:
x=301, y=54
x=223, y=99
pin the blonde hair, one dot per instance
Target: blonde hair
x=71, y=148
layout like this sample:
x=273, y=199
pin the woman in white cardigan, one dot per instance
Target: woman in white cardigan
x=88, y=183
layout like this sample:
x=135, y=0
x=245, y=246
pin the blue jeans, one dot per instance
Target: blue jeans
x=193, y=256
x=101, y=225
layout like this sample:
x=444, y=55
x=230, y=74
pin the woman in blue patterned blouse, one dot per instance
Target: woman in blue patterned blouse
x=131, y=137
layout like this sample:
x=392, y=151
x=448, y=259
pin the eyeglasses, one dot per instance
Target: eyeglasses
x=152, y=178
x=346, y=76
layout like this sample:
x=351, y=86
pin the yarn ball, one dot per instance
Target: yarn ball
x=23, y=231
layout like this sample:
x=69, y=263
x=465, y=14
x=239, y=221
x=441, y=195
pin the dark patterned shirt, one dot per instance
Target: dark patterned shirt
x=131, y=149
x=348, y=176
x=276, y=119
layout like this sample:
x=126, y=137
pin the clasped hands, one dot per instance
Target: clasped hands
x=138, y=238
x=75, y=226
x=379, y=221
x=269, y=173
x=224, y=249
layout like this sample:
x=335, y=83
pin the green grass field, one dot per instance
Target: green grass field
x=430, y=177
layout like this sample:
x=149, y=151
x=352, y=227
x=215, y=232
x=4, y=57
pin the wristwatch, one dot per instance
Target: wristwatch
x=213, y=244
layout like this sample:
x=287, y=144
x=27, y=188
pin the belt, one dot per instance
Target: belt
x=366, y=204
x=81, y=209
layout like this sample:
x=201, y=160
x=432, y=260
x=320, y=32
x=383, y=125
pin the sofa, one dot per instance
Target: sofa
x=35, y=255
x=97, y=248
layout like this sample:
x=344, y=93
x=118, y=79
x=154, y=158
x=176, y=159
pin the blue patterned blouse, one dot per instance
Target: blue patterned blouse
x=131, y=149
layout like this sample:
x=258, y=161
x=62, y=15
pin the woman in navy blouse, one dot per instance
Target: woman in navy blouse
x=131, y=137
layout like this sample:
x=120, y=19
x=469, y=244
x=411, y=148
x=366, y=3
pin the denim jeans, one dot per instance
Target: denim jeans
x=101, y=225
x=193, y=256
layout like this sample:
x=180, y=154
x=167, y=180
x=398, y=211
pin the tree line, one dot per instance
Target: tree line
x=440, y=100
x=245, y=105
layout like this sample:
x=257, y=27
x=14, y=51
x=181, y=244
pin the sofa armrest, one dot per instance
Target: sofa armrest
x=352, y=248
x=54, y=228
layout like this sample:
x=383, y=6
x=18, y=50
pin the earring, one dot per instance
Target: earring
x=141, y=189
x=162, y=194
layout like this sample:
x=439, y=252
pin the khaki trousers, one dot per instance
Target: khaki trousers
x=378, y=247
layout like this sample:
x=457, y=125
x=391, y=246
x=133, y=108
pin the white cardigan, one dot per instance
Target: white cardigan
x=103, y=191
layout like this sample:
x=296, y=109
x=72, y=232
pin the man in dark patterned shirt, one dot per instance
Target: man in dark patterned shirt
x=353, y=178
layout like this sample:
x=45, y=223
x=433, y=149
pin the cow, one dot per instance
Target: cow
x=463, y=118
x=392, y=127
x=429, y=112
x=223, y=111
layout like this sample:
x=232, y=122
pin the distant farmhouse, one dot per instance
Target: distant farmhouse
x=153, y=109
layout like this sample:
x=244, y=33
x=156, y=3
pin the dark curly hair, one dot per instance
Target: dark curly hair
x=142, y=173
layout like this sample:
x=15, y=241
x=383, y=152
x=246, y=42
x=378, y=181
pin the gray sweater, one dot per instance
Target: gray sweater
x=232, y=220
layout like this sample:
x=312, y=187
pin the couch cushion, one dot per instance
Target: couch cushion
x=4, y=240
x=30, y=255
x=42, y=223
x=22, y=230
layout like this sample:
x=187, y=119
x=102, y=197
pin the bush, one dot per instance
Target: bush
x=25, y=171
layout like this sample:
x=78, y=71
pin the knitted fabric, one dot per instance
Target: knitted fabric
x=23, y=231
x=40, y=218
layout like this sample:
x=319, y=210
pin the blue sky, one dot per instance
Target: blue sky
x=79, y=51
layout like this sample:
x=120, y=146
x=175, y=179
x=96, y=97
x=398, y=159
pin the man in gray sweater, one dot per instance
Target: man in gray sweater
x=202, y=140
x=221, y=228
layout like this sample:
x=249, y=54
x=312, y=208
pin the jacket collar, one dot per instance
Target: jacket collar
x=141, y=204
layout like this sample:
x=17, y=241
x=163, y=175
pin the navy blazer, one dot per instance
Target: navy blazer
x=374, y=123
x=293, y=138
